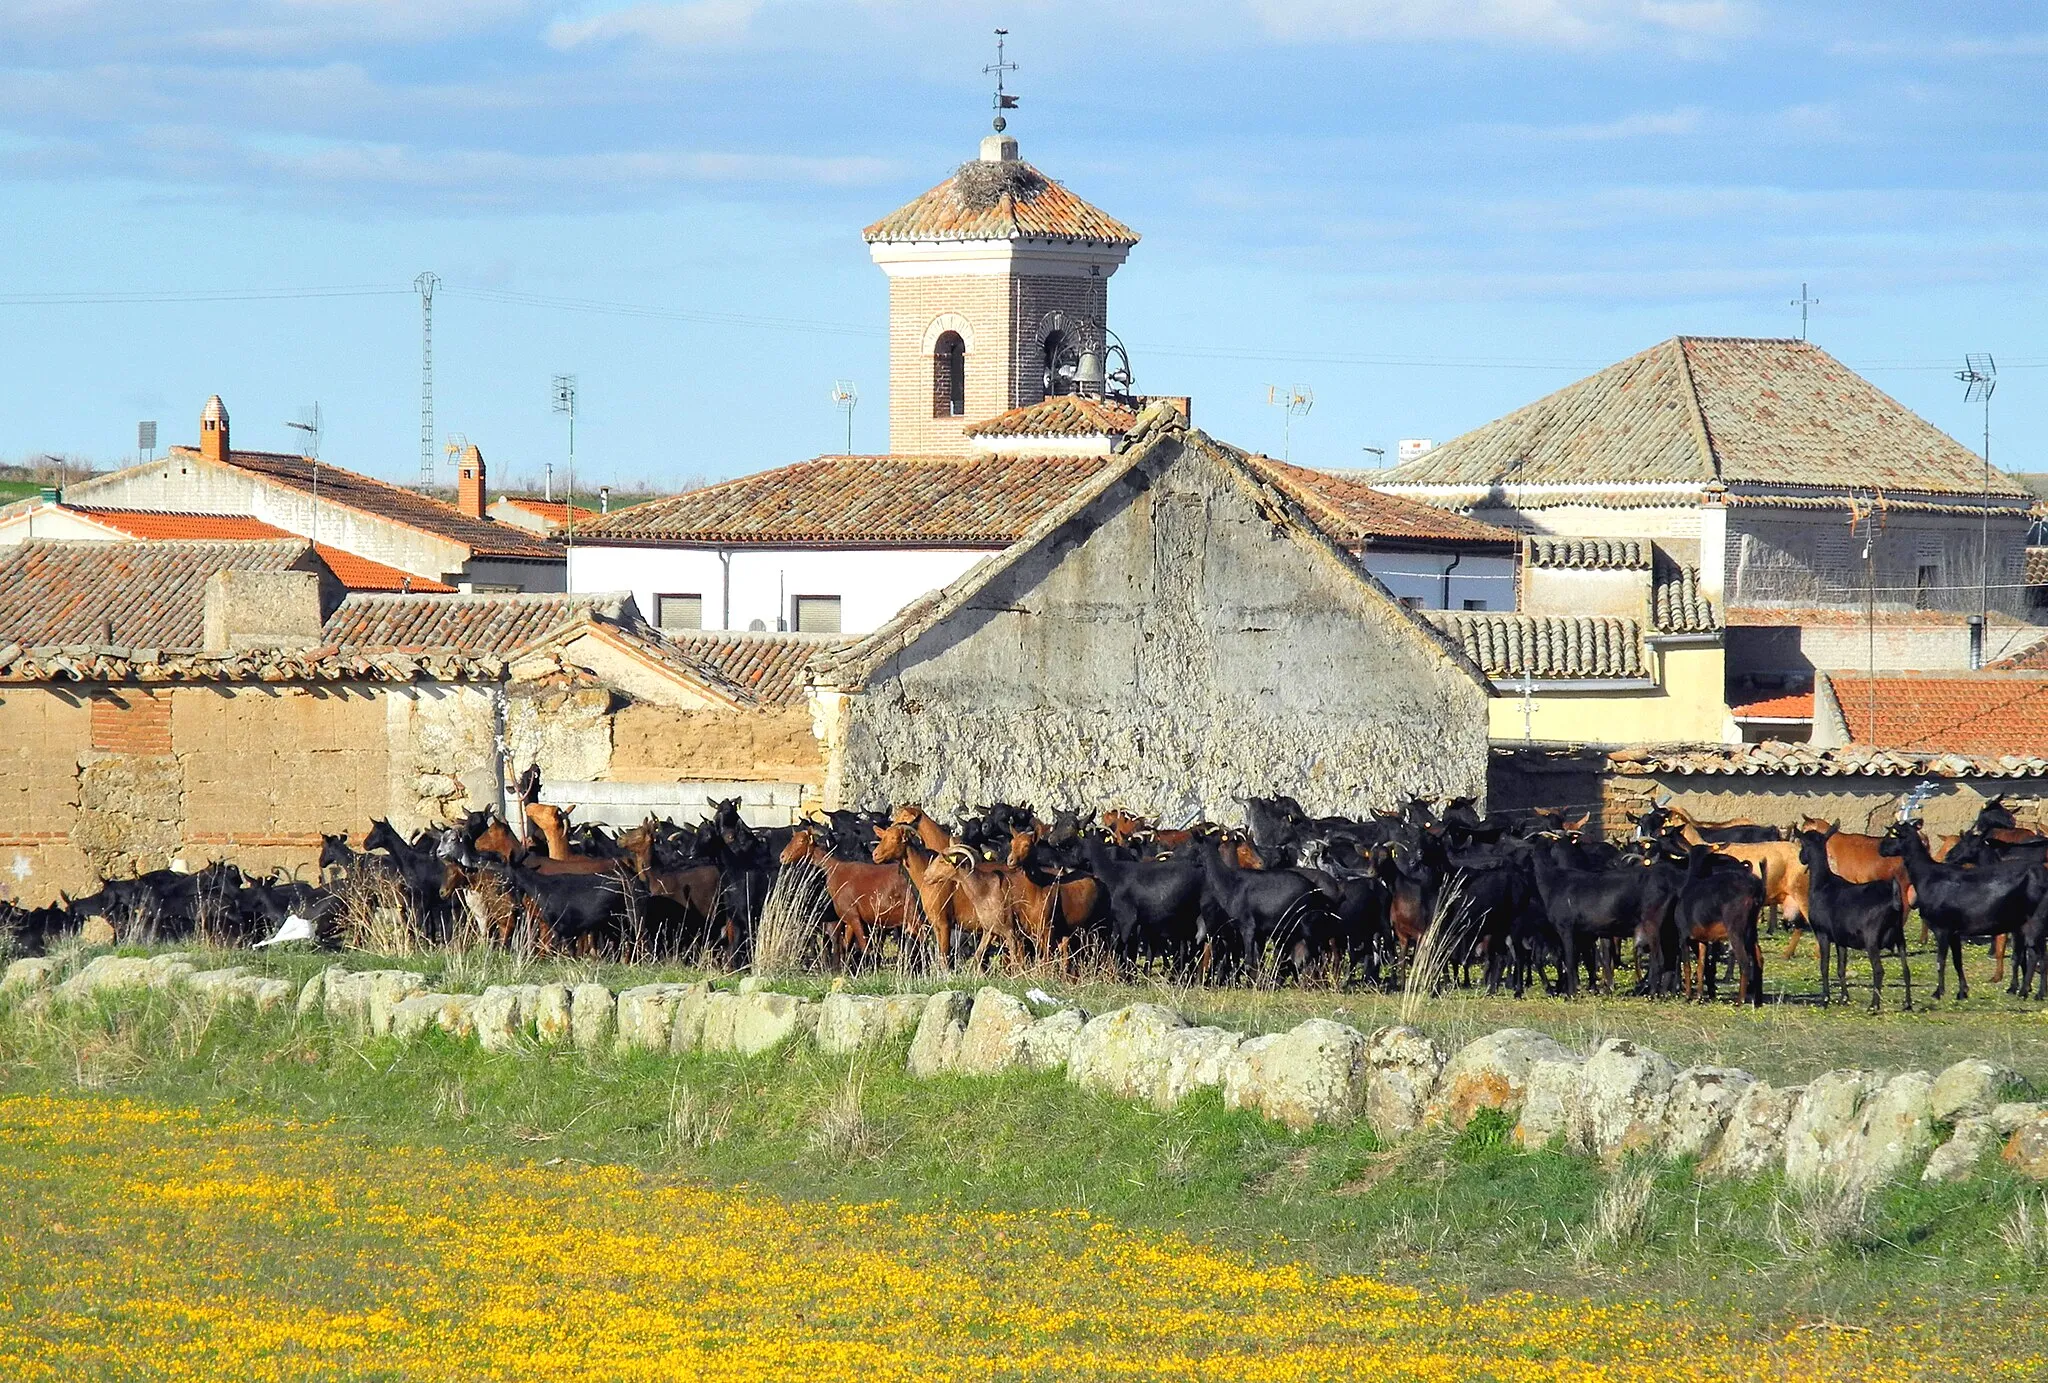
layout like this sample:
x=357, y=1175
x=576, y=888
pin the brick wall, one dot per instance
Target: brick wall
x=132, y=722
x=1004, y=369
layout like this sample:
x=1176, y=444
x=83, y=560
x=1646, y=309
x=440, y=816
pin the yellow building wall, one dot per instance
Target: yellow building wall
x=1689, y=706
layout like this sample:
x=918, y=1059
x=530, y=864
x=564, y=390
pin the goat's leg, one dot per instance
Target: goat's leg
x=1876, y=978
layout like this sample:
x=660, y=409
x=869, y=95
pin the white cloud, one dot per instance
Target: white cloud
x=691, y=24
x=1547, y=23
x=1641, y=125
x=2008, y=46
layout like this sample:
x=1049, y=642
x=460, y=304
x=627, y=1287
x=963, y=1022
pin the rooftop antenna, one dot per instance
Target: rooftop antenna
x=311, y=427
x=564, y=395
x=1979, y=377
x=1803, y=302
x=1378, y=455
x=1004, y=101
x=1295, y=401
x=425, y=285
x=145, y=440
x=847, y=397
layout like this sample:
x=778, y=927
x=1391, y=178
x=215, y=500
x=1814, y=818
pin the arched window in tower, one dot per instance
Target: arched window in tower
x=1059, y=364
x=949, y=376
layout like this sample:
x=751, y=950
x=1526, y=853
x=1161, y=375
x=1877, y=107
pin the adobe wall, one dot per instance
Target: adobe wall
x=1176, y=646
x=660, y=744
x=112, y=781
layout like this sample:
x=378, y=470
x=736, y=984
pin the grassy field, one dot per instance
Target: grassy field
x=221, y=1179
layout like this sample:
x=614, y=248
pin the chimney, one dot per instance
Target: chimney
x=469, y=483
x=248, y=610
x=213, y=431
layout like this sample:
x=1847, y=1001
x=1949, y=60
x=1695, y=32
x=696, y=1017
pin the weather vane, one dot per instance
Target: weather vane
x=1004, y=101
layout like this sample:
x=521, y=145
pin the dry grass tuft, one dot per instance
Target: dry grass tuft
x=693, y=1123
x=1621, y=1217
x=791, y=932
x=840, y=1130
x=2025, y=1232
x=1836, y=1213
x=377, y=917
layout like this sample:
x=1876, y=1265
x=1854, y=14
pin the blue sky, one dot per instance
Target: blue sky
x=1428, y=211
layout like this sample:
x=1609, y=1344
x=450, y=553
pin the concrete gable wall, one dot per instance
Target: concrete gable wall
x=1169, y=650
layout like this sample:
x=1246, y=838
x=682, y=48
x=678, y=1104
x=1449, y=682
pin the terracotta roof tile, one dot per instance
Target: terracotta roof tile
x=483, y=537
x=1000, y=201
x=361, y=574
x=1062, y=415
x=1676, y=605
x=1508, y=646
x=769, y=667
x=1965, y=713
x=1843, y=761
x=465, y=625
x=965, y=501
x=1701, y=409
x=1590, y=554
x=1356, y=514
x=127, y=594
x=2037, y=566
x=1788, y=706
x=188, y=528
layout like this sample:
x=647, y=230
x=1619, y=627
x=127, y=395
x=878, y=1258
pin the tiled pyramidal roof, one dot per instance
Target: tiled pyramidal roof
x=1062, y=415
x=1699, y=409
x=1509, y=646
x=986, y=200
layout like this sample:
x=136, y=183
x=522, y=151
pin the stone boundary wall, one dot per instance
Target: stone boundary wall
x=1843, y=1128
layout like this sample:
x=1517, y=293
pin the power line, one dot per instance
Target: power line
x=198, y=295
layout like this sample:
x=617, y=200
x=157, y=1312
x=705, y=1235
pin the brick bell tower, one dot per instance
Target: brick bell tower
x=998, y=295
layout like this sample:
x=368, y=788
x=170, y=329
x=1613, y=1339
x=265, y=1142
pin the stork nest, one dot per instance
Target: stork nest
x=982, y=186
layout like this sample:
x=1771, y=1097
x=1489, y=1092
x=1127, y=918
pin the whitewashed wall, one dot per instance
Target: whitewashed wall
x=1419, y=576
x=872, y=585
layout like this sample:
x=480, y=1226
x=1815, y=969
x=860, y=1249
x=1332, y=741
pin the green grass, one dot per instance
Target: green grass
x=1466, y=1210
x=12, y=490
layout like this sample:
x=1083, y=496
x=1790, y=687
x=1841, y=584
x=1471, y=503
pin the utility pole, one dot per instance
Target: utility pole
x=425, y=285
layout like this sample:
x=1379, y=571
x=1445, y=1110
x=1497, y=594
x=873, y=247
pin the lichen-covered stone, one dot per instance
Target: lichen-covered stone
x=1490, y=1073
x=848, y=1023
x=1702, y=1100
x=1970, y=1088
x=1051, y=1039
x=647, y=1016
x=2010, y=1115
x=1124, y=1053
x=593, y=1016
x=1754, y=1140
x=552, y=1018
x=417, y=1014
x=1196, y=1059
x=1623, y=1091
x=993, y=1040
x=2026, y=1151
x=939, y=1031
x=386, y=989
x=312, y=996
x=1894, y=1129
x=1959, y=1158
x=36, y=972
x=1314, y=1073
x=1820, y=1142
x=1404, y=1065
x=1550, y=1103
x=763, y=1019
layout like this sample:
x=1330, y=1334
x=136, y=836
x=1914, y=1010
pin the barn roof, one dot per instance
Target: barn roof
x=1700, y=410
x=1161, y=425
x=126, y=594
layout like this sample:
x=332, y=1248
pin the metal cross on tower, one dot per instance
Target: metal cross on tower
x=1004, y=100
x=1804, y=301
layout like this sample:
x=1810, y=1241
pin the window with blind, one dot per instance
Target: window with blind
x=679, y=612
x=815, y=614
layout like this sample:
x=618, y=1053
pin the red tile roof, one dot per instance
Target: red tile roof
x=483, y=537
x=870, y=501
x=1700, y=409
x=124, y=594
x=1964, y=713
x=156, y=524
x=361, y=574
x=470, y=625
x=554, y=513
x=1355, y=514
x=1790, y=706
x=1000, y=201
x=1062, y=415
x=770, y=667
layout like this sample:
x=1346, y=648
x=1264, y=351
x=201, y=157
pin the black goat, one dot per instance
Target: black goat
x=1956, y=902
x=1868, y=916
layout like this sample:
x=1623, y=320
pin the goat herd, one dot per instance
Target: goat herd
x=1528, y=900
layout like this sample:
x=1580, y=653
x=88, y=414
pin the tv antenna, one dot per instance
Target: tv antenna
x=564, y=396
x=1804, y=301
x=1004, y=100
x=310, y=425
x=145, y=440
x=425, y=285
x=1294, y=401
x=1378, y=455
x=1979, y=378
x=846, y=398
